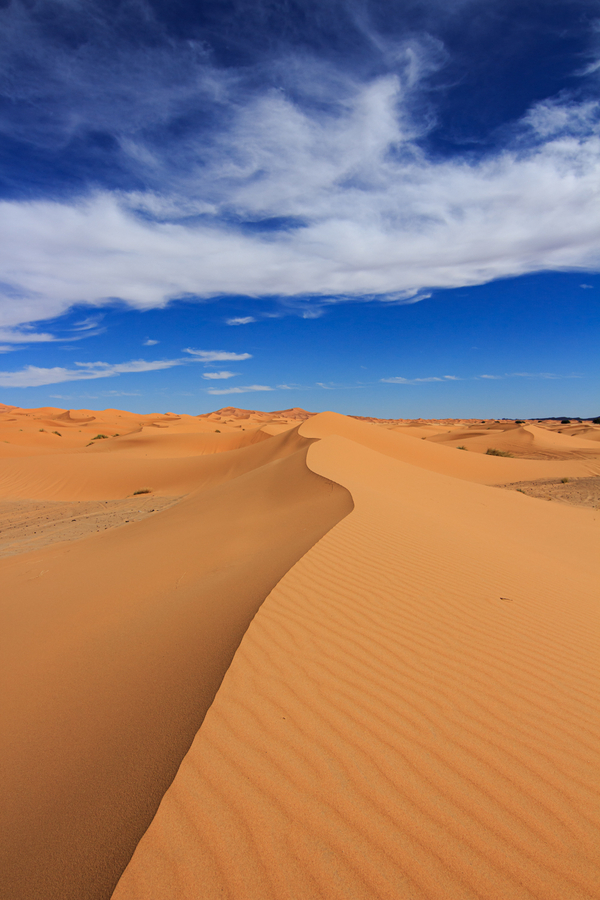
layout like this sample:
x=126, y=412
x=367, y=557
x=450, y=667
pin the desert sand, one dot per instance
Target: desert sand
x=277, y=656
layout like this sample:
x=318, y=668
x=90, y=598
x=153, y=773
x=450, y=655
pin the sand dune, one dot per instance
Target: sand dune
x=411, y=713
x=529, y=441
x=98, y=475
x=113, y=648
x=446, y=460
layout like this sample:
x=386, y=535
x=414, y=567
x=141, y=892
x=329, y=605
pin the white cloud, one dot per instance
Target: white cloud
x=209, y=356
x=34, y=376
x=370, y=216
x=241, y=320
x=399, y=380
x=586, y=286
x=550, y=375
x=150, y=343
x=91, y=323
x=538, y=375
x=552, y=117
x=240, y=390
x=24, y=336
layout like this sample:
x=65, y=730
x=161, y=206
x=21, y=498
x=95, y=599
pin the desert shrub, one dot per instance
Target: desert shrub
x=596, y=421
x=43, y=429
x=217, y=431
x=564, y=480
x=491, y=451
x=58, y=433
x=142, y=491
x=565, y=421
x=100, y=437
x=519, y=421
x=462, y=447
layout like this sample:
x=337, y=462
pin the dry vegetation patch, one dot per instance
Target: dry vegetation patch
x=574, y=491
x=32, y=524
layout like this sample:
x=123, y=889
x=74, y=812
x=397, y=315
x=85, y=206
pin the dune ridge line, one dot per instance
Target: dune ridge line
x=390, y=727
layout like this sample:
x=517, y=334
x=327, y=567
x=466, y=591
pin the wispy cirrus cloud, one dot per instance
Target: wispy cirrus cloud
x=400, y=380
x=550, y=375
x=546, y=375
x=210, y=356
x=36, y=376
x=25, y=336
x=240, y=320
x=240, y=390
x=218, y=375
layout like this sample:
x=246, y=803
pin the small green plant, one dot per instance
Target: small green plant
x=217, y=431
x=462, y=447
x=142, y=491
x=100, y=437
x=519, y=421
x=564, y=480
x=520, y=490
x=565, y=421
x=43, y=429
x=58, y=433
x=491, y=451
x=596, y=421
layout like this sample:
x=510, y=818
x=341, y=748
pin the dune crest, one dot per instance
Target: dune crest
x=412, y=713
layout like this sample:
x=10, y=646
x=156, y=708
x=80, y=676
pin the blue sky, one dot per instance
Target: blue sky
x=384, y=208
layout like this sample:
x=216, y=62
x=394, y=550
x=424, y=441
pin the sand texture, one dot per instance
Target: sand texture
x=113, y=647
x=413, y=713
x=340, y=659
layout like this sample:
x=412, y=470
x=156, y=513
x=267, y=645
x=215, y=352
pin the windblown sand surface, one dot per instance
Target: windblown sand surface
x=412, y=712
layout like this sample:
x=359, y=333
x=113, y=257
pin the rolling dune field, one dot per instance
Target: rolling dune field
x=330, y=658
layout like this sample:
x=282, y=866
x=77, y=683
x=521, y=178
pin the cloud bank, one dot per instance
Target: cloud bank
x=313, y=182
x=376, y=220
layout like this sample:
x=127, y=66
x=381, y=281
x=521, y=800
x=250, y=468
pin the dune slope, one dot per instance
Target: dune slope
x=115, y=472
x=113, y=648
x=459, y=464
x=413, y=712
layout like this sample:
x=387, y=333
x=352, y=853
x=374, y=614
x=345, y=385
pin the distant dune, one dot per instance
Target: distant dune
x=286, y=656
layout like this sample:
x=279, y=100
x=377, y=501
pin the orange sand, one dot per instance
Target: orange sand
x=413, y=711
